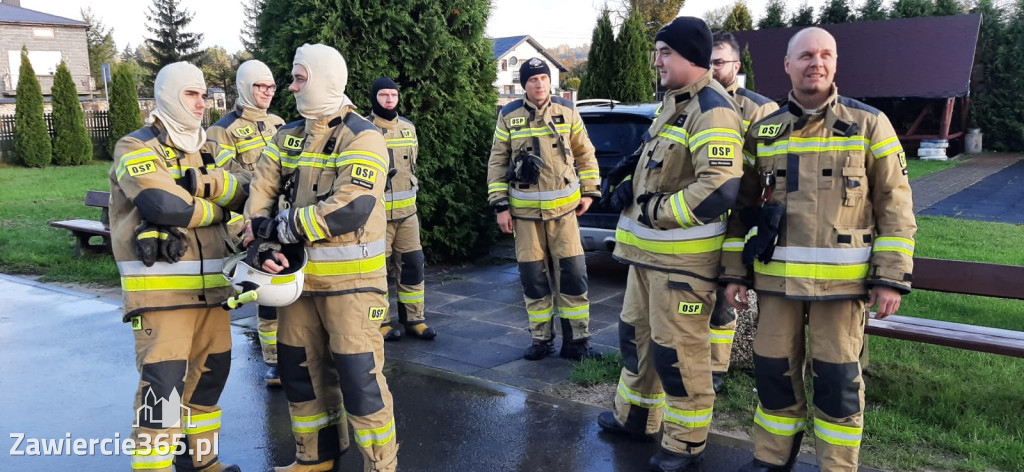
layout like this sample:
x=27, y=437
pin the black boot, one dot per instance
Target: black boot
x=578, y=350
x=420, y=330
x=718, y=381
x=606, y=420
x=668, y=461
x=390, y=333
x=758, y=466
x=539, y=350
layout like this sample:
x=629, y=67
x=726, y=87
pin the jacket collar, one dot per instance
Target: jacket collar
x=251, y=114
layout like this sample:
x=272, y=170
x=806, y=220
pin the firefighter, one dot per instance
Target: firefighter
x=725, y=64
x=246, y=131
x=541, y=176
x=673, y=199
x=400, y=204
x=324, y=177
x=168, y=202
x=826, y=209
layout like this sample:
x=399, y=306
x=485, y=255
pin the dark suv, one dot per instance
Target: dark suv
x=616, y=131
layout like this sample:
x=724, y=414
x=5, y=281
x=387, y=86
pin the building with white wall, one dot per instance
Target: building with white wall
x=510, y=53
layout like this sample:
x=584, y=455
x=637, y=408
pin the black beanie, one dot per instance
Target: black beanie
x=533, y=67
x=690, y=37
x=378, y=85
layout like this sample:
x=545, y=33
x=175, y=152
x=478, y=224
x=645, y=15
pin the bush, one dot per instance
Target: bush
x=124, y=105
x=71, y=142
x=31, y=137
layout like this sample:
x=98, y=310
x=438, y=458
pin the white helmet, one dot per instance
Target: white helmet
x=280, y=289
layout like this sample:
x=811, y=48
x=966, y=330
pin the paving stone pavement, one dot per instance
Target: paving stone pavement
x=938, y=186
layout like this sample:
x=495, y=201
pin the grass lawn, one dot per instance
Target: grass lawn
x=919, y=168
x=930, y=407
x=30, y=200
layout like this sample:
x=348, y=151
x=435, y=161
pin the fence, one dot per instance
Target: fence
x=97, y=123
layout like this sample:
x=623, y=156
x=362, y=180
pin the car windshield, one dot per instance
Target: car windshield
x=616, y=134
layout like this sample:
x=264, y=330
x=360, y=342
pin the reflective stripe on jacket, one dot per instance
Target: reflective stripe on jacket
x=403, y=153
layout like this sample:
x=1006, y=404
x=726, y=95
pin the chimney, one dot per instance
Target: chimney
x=13, y=3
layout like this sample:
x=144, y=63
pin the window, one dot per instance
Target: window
x=42, y=32
x=515, y=76
x=513, y=61
x=504, y=65
x=510, y=90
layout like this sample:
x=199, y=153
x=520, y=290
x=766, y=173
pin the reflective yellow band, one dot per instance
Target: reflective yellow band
x=574, y=312
x=577, y=127
x=501, y=135
x=268, y=337
x=675, y=133
x=539, y=316
x=886, y=147
x=680, y=211
x=837, y=435
x=201, y=423
x=173, y=282
x=399, y=204
x=643, y=400
x=153, y=459
x=733, y=245
x=134, y=158
x=688, y=418
x=410, y=297
x=499, y=187
x=895, y=244
x=376, y=436
x=589, y=174
x=715, y=134
x=330, y=268
x=546, y=204
x=696, y=246
x=812, y=271
x=778, y=425
x=722, y=336
x=307, y=218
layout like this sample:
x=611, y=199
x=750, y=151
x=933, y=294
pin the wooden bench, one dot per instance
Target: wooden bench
x=84, y=230
x=968, y=278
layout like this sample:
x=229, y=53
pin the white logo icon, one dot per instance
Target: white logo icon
x=165, y=412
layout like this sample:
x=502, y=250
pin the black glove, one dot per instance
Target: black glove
x=147, y=242
x=173, y=243
x=622, y=169
x=259, y=251
x=264, y=228
x=391, y=173
x=189, y=181
x=762, y=245
x=644, y=202
x=619, y=197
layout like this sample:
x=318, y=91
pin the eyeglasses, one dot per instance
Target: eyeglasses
x=718, y=63
x=265, y=88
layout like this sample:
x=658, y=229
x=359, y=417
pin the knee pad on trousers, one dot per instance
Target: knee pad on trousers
x=412, y=267
x=163, y=378
x=566, y=330
x=327, y=442
x=358, y=383
x=211, y=383
x=836, y=390
x=573, y=275
x=535, y=283
x=627, y=345
x=298, y=385
x=266, y=312
x=722, y=315
x=403, y=313
x=665, y=359
x=774, y=387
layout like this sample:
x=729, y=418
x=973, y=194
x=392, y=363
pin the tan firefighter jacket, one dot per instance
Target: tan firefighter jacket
x=750, y=105
x=841, y=175
x=403, y=151
x=555, y=133
x=331, y=173
x=246, y=131
x=692, y=165
x=142, y=186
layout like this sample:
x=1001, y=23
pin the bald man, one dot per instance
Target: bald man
x=826, y=209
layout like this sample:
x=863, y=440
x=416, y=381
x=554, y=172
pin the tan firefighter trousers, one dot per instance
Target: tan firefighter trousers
x=405, y=255
x=666, y=374
x=329, y=346
x=835, y=333
x=183, y=357
x=543, y=249
x=723, y=331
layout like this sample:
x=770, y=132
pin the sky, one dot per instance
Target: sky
x=551, y=22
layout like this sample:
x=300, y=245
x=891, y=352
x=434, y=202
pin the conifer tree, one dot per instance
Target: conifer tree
x=597, y=83
x=170, y=42
x=71, y=142
x=635, y=80
x=872, y=10
x=775, y=15
x=803, y=16
x=747, y=68
x=124, y=105
x=32, y=145
x=739, y=19
x=836, y=12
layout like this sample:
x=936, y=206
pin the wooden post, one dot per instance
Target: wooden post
x=947, y=117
